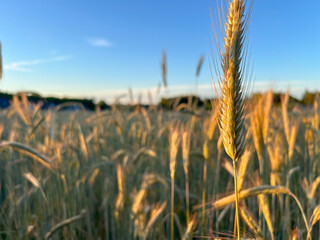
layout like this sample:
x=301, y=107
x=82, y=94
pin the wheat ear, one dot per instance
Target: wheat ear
x=232, y=104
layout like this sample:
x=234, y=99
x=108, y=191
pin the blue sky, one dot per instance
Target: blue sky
x=101, y=48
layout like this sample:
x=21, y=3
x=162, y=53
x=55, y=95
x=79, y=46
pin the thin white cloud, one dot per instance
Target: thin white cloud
x=24, y=66
x=99, y=42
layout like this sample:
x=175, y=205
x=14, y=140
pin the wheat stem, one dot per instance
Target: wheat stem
x=236, y=196
x=231, y=85
x=172, y=209
x=204, y=197
x=187, y=198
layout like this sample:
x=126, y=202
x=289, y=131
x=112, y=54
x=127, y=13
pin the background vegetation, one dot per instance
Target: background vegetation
x=106, y=174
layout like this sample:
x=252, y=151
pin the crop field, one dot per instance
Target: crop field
x=119, y=174
x=240, y=165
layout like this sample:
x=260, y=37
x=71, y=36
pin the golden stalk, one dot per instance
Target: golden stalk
x=185, y=157
x=232, y=104
x=174, y=146
x=255, y=191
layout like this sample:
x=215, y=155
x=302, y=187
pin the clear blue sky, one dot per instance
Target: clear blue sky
x=100, y=48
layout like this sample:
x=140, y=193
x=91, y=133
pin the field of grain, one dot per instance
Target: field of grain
x=248, y=168
x=108, y=174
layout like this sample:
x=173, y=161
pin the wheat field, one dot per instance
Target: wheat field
x=247, y=167
x=108, y=174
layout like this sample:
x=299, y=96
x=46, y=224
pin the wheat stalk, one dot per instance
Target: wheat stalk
x=64, y=223
x=174, y=146
x=231, y=104
x=255, y=191
x=284, y=111
x=29, y=152
x=185, y=157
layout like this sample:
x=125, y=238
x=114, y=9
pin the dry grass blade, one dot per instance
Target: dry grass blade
x=275, y=160
x=243, y=168
x=83, y=144
x=185, y=157
x=64, y=223
x=120, y=198
x=267, y=109
x=185, y=149
x=250, y=192
x=292, y=140
x=146, y=118
x=284, y=110
x=148, y=180
x=1, y=130
x=256, y=122
x=316, y=120
x=20, y=108
x=30, y=152
x=247, y=216
x=153, y=219
x=26, y=105
x=65, y=186
x=69, y=104
x=32, y=179
x=255, y=191
x=213, y=124
x=315, y=217
x=190, y=227
x=228, y=167
x=313, y=188
x=35, y=127
x=93, y=176
x=263, y=204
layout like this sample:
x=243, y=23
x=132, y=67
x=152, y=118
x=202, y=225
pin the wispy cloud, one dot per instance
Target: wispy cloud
x=99, y=42
x=24, y=66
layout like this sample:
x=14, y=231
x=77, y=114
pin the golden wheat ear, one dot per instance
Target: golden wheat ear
x=231, y=75
x=231, y=83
